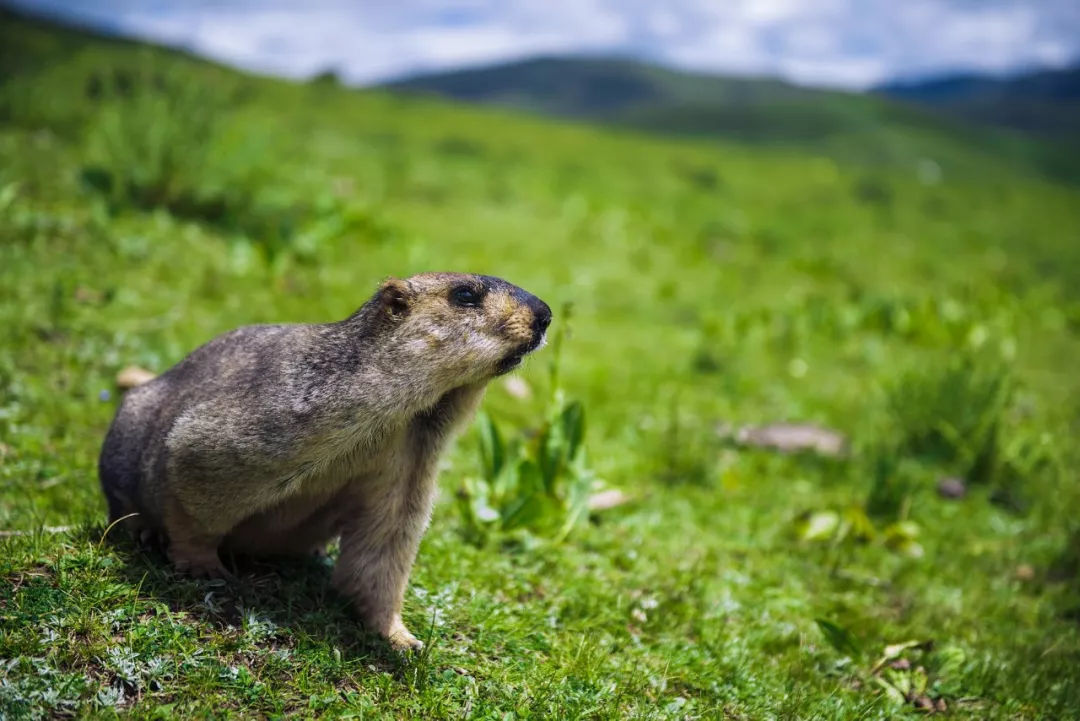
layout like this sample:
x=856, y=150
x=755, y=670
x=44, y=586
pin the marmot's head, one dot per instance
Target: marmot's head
x=457, y=328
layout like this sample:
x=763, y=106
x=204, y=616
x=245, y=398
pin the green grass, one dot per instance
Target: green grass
x=711, y=285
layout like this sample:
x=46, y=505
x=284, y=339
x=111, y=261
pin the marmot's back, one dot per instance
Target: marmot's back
x=134, y=450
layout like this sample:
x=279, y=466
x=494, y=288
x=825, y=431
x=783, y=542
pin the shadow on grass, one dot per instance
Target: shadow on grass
x=293, y=594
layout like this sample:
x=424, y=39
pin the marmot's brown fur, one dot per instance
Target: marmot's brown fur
x=278, y=438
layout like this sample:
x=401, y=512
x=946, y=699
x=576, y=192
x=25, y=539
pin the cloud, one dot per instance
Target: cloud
x=845, y=43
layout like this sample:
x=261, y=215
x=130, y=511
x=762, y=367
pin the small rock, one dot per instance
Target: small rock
x=793, y=437
x=923, y=703
x=1025, y=572
x=133, y=376
x=517, y=388
x=940, y=706
x=88, y=296
x=343, y=187
x=952, y=488
x=604, y=500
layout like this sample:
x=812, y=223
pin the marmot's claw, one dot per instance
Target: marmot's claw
x=203, y=569
x=405, y=642
x=218, y=572
x=151, y=538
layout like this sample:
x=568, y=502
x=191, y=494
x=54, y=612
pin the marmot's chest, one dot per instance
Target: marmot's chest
x=336, y=457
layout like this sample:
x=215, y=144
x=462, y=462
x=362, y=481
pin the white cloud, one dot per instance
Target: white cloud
x=842, y=72
x=811, y=39
x=848, y=43
x=770, y=12
x=662, y=22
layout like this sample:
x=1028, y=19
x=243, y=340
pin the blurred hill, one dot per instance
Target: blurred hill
x=1044, y=103
x=891, y=126
x=1043, y=106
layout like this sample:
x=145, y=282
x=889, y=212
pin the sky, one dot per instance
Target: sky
x=849, y=44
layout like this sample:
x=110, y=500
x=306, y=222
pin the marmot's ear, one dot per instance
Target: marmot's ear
x=394, y=296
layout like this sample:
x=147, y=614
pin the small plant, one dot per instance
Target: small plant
x=684, y=454
x=540, y=484
x=151, y=140
x=158, y=140
x=883, y=516
x=959, y=416
x=891, y=486
x=910, y=673
x=853, y=525
x=953, y=414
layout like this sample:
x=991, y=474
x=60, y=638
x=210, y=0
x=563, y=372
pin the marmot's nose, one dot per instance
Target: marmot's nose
x=541, y=315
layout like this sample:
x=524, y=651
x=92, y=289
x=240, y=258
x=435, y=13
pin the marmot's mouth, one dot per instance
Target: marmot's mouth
x=513, y=360
x=509, y=363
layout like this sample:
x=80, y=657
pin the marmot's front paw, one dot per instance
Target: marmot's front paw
x=151, y=538
x=200, y=566
x=402, y=640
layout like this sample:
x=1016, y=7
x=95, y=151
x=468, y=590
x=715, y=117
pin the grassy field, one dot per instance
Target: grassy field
x=149, y=202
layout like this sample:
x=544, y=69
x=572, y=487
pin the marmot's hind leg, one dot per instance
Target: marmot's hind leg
x=192, y=550
x=150, y=537
x=123, y=515
x=120, y=481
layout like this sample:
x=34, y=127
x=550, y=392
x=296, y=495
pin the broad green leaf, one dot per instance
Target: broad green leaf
x=860, y=526
x=550, y=455
x=901, y=537
x=895, y=649
x=818, y=526
x=529, y=511
x=949, y=661
x=891, y=692
x=838, y=637
x=572, y=421
x=492, y=450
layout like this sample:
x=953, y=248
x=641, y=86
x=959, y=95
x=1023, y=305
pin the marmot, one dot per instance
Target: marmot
x=275, y=439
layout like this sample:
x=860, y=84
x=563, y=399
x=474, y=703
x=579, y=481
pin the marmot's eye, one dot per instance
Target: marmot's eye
x=466, y=296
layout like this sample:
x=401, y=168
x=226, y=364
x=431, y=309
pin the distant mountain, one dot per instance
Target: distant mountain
x=869, y=128
x=592, y=86
x=1044, y=103
x=638, y=94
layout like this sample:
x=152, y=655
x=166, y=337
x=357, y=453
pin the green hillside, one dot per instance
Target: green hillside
x=854, y=128
x=1044, y=102
x=149, y=201
x=1042, y=105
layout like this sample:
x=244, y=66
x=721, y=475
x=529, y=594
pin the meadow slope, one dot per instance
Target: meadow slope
x=149, y=201
x=1030, y=121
